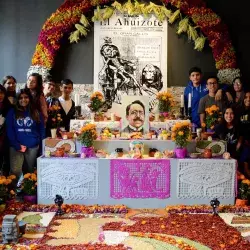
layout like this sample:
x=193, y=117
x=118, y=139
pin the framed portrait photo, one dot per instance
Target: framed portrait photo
x=135, y=114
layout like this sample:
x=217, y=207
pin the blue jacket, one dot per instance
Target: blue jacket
x=196, y=94
x=24, y=131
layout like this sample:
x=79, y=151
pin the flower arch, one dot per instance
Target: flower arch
x=62, y=22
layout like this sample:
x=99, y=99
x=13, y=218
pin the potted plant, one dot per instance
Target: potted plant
x=181, y=134
x=29, y=187
x=213, y=116
x=243, y=193
x=165, y=102
x=87, y=136
x=96, y=103
x=55, y=118
x=6, y=191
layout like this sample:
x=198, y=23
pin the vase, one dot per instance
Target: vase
x=30, y=198
x=241, y=203
x=210, y=130
x=53, y=133
x=180, y=153
x=88, y=151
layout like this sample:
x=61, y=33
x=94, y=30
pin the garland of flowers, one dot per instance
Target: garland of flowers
x=65, y=18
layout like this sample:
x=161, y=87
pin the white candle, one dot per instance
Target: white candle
x=157, y=116
x=189, y=100
x=112, y=116
x=92, y=116
x=77, y=99
x=182, y=101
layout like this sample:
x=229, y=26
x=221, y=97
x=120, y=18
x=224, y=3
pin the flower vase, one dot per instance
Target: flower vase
x=53, y=133
x=88, y=151
x=30, y=198
x=210, y=130
x=180, y=153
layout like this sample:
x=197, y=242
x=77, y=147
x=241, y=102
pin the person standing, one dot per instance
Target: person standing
x=4, y=155
x=49, y=87
x=210, y=99
x=197, y=88
x=25, y=131
x=9, y=82
x=66, y=103
x=35, y=85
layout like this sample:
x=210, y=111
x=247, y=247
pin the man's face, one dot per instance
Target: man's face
x=212, y=85
x=195, y=77
x=49, y=87
x=66, y=89
x=136, y=115
x=148, y=73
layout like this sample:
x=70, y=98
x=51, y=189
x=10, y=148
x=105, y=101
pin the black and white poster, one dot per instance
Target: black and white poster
x=130, y=58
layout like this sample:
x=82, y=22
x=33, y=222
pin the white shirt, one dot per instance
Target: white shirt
x=66, y=104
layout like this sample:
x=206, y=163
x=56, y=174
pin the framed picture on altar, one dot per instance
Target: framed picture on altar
x=76, y=125
x=135, y=114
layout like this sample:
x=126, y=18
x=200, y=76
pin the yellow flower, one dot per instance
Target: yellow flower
x=12, y=177
x=27, y=176
x=180, y=133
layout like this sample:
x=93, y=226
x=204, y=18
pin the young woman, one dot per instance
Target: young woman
x=9, y=83
x=35, y=85
x=237, y=92
x=228, y=130
x=4, y=107
x=244, y=114
x=25, y=131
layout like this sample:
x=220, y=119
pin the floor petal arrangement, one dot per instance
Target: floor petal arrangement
x=117, y=227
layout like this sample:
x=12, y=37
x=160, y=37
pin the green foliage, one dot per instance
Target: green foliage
x=29, y=187
x=243, y=191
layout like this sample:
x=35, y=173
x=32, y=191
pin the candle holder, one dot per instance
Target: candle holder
x=189, y=114
x=182, y=113
x=215, y=204
x=77, y=111
x=59, y=201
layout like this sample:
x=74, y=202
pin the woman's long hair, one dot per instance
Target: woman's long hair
x=19, y=110
x=38, y=90
x=6, y=104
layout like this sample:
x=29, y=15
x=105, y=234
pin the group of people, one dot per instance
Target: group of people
x=233, y=102
x=25, y=120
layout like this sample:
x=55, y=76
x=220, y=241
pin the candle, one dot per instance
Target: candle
x=182, y=101
x=189, y=100
x=157, y=116
x=112, y=116
x=77, y=99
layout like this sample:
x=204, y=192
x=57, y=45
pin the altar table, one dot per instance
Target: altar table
x=88, y=181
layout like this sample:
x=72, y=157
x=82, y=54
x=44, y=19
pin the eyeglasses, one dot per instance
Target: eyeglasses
x=212, y=83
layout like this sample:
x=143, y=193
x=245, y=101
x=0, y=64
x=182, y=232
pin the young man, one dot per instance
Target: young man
x=198, y=89
x=66, y=103
x=209, y=100
x=49, y=87
x=135, y=114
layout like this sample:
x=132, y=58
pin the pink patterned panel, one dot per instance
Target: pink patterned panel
x=140, y=179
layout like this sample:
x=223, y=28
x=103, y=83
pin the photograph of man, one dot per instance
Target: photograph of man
x=135, y=116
